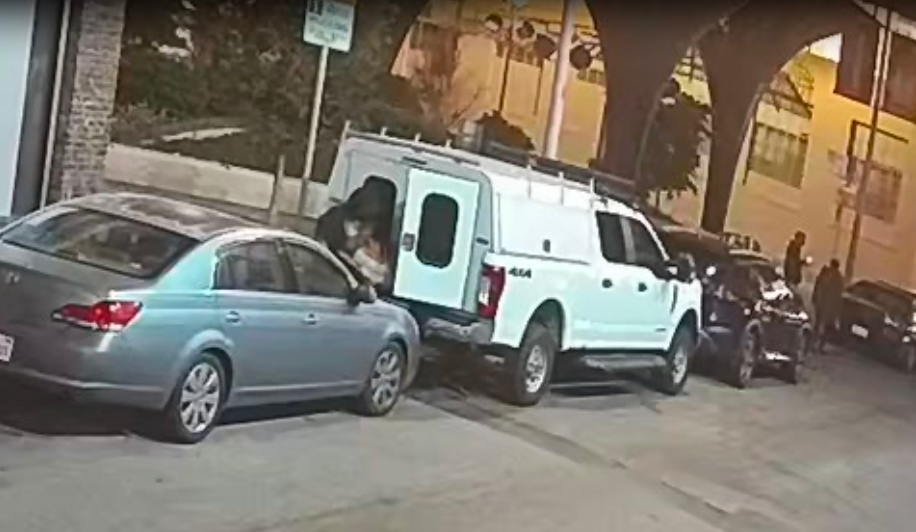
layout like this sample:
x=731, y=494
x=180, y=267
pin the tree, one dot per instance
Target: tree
x=245, y=60
x=671, y=160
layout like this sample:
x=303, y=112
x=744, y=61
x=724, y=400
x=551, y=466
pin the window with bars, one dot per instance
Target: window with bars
x=778, y=154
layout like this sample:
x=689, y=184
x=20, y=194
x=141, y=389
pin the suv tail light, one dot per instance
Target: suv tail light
x=106, y=316
x=492, y=284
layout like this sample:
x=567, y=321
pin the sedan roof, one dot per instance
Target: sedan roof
x=193, y=221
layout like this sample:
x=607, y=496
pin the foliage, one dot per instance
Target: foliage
x=671, y=159
x=245, y=61
x=498, y=130
x=443, y=92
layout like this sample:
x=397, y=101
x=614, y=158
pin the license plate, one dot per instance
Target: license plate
x=861, y=332
x=6, y=348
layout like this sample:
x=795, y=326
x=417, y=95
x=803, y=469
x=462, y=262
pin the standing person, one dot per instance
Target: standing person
x=792, y=266
x=828, y=297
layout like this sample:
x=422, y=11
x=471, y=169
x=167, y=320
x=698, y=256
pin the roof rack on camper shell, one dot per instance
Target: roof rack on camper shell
x=602, y=184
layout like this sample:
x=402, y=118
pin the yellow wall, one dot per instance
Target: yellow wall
x=768, y=209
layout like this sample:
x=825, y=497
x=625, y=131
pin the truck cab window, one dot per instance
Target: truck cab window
x=610, y=232
x=438, y=224
x=645, y=249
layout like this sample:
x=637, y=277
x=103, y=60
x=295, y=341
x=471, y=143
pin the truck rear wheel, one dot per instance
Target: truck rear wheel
x=530, y=369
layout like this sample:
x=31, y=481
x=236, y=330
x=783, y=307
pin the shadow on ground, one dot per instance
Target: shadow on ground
x=25, y=411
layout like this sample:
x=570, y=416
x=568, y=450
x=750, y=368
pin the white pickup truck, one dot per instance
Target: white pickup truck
x=523, y=267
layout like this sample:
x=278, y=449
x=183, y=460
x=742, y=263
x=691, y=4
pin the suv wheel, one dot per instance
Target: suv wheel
x=908, y=359
x=673, y=377
x=741, y=371
x=531, y=367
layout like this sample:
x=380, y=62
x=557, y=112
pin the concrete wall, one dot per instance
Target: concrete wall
x=16, y=25
x=238, y=190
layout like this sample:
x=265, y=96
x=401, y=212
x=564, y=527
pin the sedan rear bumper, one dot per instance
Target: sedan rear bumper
x=144, y=397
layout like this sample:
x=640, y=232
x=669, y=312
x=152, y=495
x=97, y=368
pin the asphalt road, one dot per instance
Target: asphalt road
x=834, y=454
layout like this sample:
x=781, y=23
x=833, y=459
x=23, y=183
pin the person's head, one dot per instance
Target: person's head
x=834, y=264
x=800, y=237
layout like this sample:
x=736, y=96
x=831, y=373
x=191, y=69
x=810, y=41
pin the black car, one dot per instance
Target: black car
x=751, y=318
x=878, y=319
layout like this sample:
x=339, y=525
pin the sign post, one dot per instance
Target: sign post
x=328, y=25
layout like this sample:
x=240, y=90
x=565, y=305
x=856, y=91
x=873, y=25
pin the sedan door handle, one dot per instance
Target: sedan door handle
x=233, y=317
x=310, y=319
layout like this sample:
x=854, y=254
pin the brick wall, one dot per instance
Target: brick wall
x=88, y=87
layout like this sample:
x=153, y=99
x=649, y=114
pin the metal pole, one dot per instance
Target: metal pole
x=560, y=79
x=877, y=101
x=276, y=193
x=313, y=129
x=510, y=48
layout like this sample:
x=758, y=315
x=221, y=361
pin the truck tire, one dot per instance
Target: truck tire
x=530, y=368
x=671, y=379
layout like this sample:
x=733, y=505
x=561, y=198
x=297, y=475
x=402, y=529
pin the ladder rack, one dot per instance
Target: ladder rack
x=600, y=183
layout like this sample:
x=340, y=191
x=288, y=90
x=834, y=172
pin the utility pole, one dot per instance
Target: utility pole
x=877, y=101
x=560, y=80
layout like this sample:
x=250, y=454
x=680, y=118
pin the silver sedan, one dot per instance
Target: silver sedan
x=156, y=304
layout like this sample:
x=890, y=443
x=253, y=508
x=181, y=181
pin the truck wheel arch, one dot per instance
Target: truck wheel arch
x=691, y=322
x=551, y=314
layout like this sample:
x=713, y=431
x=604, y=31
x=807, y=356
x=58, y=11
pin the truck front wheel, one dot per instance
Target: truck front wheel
x=671, y=379
x=530, y=368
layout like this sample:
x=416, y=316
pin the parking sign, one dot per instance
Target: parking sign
x=329, y=23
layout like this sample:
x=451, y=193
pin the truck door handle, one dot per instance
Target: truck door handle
x=233, y=317
x=408, y=242
x=643, y=287
x=310, y=319
x=607, y=283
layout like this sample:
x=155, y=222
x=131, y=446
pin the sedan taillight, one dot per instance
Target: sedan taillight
x=105, y=316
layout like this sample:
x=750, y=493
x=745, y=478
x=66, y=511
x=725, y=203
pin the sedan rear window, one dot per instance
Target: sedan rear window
x=101, y=240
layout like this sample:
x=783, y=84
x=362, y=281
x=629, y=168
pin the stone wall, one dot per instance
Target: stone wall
x=88, y=91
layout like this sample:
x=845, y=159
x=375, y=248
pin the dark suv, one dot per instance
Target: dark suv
x=879, y=319
x=751, y=318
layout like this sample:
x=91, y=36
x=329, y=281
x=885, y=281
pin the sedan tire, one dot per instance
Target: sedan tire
x=197, y=401
x=385, y=383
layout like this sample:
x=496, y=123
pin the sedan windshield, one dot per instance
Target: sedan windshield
x=100, y=240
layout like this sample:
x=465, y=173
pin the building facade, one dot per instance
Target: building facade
x=795, y=166
x=59, y=60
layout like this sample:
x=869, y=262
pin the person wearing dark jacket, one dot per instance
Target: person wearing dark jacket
x=792, y=267
x=828, y=298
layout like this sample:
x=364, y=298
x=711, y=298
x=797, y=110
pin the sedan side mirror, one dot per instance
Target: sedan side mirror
x=363, y=294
